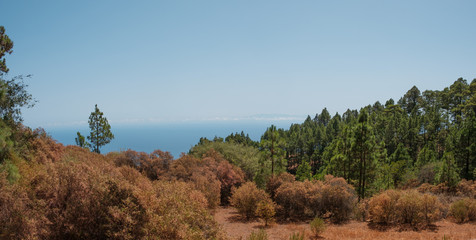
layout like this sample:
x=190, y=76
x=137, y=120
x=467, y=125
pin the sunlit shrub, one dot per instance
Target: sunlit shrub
x=266, y=211
x=246, y=199
x=259, y=235
x=405, y=207
x=230, y=177
x=292, y=199
x=274, y=182
x=318, y=226
x=463, y=210
x=297, y=236
x=338, y=198
x=208, y=184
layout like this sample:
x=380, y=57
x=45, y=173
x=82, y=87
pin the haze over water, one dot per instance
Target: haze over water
x=173, y=137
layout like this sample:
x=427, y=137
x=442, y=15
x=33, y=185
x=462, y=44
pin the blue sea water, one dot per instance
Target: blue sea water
x=173, y=137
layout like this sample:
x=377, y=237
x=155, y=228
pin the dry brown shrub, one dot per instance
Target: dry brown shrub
x=16, y=221
x=275, y=181
x=177, y=214
x=292, y=198
x=407, y=207
x=338, y=198
x=230, y=177
x=463, y=210
x=44, y=148
x=246, y=198
x=208, y=184
x=466, y=188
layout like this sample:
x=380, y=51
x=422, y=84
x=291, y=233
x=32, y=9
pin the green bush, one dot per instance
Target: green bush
x=318, y=226
x=266, y=211
x=259, y=235
x=463, y=210
x=297, y=236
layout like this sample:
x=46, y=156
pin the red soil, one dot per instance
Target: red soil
x=237, y=228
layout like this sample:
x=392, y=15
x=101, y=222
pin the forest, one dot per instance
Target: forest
x=405, y=164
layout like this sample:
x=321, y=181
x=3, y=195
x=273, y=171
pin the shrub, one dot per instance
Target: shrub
x=317, y=226
x=459, y=210
x=246, y=198
x=338, y=198
x=230, y=177
x=208, y=184
x=259, y=235
x=382, y=207
x=266, y=211
x=404, y=207
x=297, y=236
x=463, y=210
x=292, y=199
x=274, y=182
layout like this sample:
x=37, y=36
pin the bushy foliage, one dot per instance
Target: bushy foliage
x=463, y=210
x=274, y=182
x=243, y=156
x=246, y=199
x=318, y=226
x=72, y=193
x=405, y=207
x=258, y=235
x=266, y=211
x=297, y=236
x=337, y=198
x=332, y=197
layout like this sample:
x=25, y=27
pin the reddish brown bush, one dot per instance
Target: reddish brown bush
x=463, y=210
x=274, y=182
x=208, y=184
x=292, y=198
x=230, y=177
x=338, y=198
x=407, y=207
x=246, y=198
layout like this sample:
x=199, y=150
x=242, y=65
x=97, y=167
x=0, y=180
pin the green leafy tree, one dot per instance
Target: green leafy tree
x=6, y=46
x=272, y=142
x=303, y=172
x=100, y=134
x=448, y=172
x=81, y=141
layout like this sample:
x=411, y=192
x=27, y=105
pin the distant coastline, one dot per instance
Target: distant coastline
x=173, y=137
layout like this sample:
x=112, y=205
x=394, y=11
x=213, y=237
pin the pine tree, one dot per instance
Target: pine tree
x=100, y=134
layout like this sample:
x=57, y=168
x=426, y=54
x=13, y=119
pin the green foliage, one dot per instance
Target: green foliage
x=6, y=46
x=463, y=210
x=303, y=171
x=297, y=236
x=272, y=144
x=11, y=170
x=318, y=226
x=81, y=141
x=259, y=235
x=13, y=97
x=448, y=172
x=266, y=211
x=245, y=157
x=100, y=134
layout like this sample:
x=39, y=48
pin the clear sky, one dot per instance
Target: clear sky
x=144, y=61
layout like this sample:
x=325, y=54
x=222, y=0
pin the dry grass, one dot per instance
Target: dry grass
x=239, y=229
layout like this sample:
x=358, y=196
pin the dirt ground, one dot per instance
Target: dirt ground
x=237, y=228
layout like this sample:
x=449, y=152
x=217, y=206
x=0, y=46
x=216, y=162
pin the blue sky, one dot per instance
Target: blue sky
x=154, y=61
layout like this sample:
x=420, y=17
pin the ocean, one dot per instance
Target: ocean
x=173, y=137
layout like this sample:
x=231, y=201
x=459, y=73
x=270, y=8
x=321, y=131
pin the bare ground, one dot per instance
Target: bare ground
x=238, y=228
